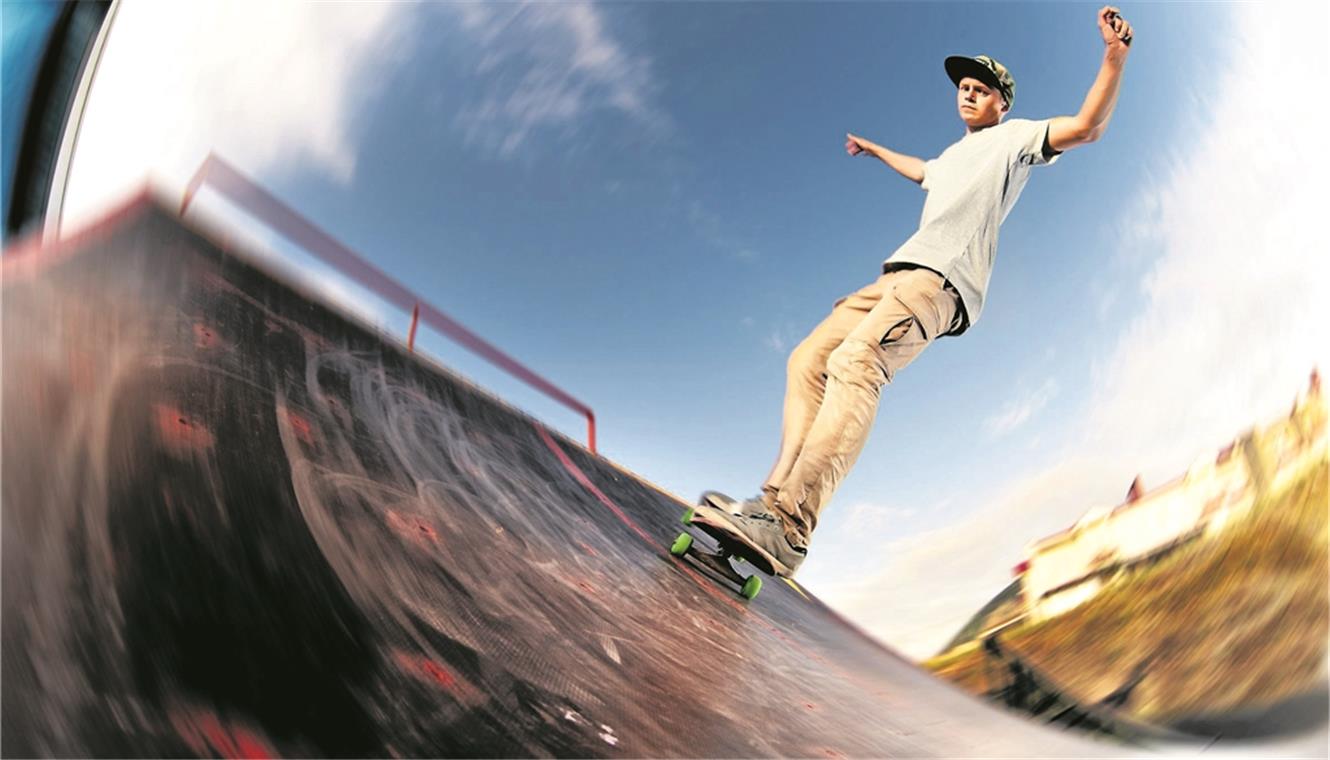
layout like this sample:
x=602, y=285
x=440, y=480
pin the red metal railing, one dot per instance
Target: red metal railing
x=246, y=194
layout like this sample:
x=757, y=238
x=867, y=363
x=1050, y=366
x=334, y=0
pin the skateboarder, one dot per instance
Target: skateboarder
x=931, y=286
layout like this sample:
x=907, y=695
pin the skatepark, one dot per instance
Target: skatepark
x=264, y=492
x=238, y=522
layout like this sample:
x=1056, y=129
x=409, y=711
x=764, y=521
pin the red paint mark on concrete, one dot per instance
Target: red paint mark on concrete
x=207, y=734
x=179, y=433
x=217, y=736
x=810, y=706
x=413, y=528
x=300, y=426
x=587, y=587
x=829, y=752
x=251, y=746
x=439, y=676
x=587, y=549
x=205, y=336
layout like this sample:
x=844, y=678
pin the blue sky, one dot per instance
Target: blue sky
x=650, y=204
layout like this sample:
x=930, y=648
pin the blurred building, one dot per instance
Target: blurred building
x=1067, y=568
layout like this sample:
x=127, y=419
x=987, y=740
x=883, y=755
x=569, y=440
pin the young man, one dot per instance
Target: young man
x=933, y=285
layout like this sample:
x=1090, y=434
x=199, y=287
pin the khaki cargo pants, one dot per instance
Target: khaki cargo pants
x=835, y=377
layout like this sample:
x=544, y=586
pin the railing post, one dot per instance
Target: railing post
x=411, y=335
x=195, y=183
x=591, y=431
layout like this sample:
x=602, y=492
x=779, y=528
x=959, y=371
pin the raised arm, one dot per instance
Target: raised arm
x=909, y=167
x=1089, y=123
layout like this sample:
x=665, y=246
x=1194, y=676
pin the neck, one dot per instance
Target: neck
x=971, y=129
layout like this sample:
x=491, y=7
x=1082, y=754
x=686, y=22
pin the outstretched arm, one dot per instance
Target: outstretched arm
x=1089, y=124
x=909, y=167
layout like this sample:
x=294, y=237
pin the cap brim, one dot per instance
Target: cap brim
x=960, y=66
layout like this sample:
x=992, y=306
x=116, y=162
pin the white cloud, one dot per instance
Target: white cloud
x=1018, y=411
x=871, y=517
x=270, y=86
x=549, y=66
x=1233, y=316
x=916, y=592
x=712, y=228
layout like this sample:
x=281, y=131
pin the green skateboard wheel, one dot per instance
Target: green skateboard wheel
x=751, y=587
x=687, y=518
x=682, y=544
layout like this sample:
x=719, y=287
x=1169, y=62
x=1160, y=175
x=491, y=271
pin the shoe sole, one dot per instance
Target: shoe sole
x=714, y=523
x=712, y=501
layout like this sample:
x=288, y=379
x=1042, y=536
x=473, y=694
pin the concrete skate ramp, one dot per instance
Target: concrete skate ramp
x=239, y=523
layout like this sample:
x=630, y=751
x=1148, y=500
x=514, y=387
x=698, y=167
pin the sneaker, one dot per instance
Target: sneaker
x=753, y=506
x=763, y=530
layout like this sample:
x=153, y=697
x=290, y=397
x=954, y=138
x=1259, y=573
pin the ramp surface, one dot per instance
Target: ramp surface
x=239, y=523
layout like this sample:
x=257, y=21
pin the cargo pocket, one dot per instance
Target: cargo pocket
x=926, y=297
x=897, y=332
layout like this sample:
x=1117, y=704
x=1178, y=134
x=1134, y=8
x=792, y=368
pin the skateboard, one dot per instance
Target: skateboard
x=731, y=549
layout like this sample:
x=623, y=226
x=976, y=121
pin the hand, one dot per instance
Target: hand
x=1114, y=28
x=855, y=145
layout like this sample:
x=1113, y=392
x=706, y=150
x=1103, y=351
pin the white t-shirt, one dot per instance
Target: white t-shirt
x=971, y=188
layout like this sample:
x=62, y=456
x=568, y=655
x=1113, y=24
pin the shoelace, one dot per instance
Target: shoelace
x=761, y=516
x=770, y=518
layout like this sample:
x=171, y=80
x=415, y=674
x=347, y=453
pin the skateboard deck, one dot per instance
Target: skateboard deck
x=732, y=546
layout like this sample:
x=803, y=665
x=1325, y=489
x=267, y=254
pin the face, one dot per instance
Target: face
x=979, y=105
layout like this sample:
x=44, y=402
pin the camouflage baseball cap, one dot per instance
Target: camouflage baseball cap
x=986, y=70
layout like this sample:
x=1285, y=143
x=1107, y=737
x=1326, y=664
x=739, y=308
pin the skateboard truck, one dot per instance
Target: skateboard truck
x=721, y=562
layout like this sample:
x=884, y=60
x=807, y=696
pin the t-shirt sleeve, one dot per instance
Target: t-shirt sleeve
x=928, y=168
x=1032, y=146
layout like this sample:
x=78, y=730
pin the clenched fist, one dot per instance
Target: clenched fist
x=855, y=145
x=1114, y=28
